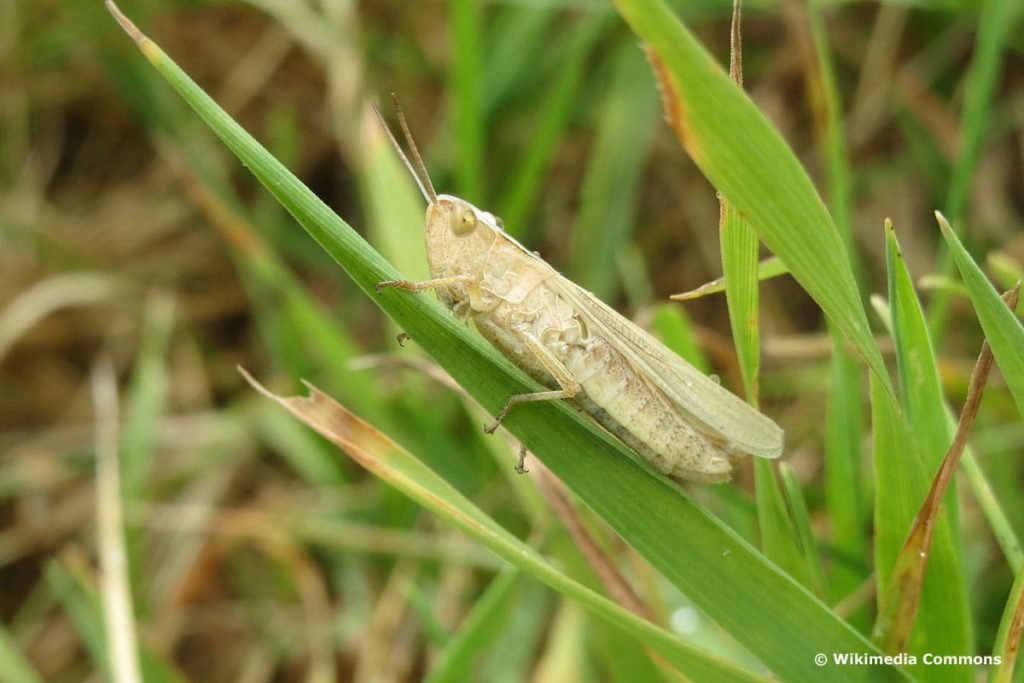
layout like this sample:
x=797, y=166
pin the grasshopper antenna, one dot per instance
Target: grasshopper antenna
x=413, y=148
x=431, y=196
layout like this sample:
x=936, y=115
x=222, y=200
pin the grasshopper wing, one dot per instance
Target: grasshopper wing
x=715, y=411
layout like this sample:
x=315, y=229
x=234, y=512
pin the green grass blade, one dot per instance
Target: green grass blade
x=1002, y=328
x=768, y=612
x=74, y=588
x=944, y=619
x=467, y=29
x=920, y=390
x=14, y=665
x=676, y=332
x=608, y=197
x=766, y=269
x=516, y=205
x=406, y=473
x=901, y=485
x=1007, y=645
x=802, y=522
x=147, y=394
x=744, y=156
x=739, y=269
x=739, y=248
x=996, y=19
x=477, y=631
x=846, y=493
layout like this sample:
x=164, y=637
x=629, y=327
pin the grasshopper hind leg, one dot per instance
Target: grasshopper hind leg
x=568, y=386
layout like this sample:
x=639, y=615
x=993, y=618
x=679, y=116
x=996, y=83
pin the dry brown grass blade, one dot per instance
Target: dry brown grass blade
x=903, y=594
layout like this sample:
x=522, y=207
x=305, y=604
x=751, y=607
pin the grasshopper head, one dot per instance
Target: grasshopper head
x=459, y=218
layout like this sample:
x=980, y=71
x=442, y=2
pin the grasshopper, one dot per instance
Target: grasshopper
x=680, y=421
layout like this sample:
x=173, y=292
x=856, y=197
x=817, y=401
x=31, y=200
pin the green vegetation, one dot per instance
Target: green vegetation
x=142, y=255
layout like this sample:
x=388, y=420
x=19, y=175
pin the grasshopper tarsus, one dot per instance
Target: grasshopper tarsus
x=500, y=417
x=521, y=462
x=380, y=286
x=401, y=338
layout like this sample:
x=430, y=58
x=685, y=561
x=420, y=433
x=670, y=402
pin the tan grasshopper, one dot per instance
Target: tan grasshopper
x=682, y=422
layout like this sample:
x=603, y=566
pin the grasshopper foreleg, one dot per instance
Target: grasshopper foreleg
x=410, y=286
x=569, y=387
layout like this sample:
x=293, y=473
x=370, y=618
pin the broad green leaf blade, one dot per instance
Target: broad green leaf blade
x=765, y=610
x=1002, y=328
x=743, y=156
x=399, y=468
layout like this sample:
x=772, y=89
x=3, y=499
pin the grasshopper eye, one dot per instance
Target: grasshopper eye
x=463, y=222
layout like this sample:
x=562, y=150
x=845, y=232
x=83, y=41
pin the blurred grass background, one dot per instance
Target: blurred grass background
x=257, y=553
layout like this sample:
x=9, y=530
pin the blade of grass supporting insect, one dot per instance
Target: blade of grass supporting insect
x=766, y=269
x=743, y=156
x=1002, y=328
x=768, y=612
x=466, y=27
x=15, y=667
x=396, y=466
x=608, y=197
x=551, y=121
x=1008, y=637
x=995, y=20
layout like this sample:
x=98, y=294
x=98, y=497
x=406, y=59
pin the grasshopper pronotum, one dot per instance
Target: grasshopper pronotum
x=682, y=422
